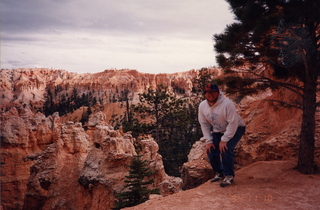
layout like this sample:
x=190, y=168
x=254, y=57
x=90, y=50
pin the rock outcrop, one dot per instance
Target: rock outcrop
x=47, y=164
x=34, y=147
x=52, y=162
x=30, y=86
x=198, y=169
x=19, y=148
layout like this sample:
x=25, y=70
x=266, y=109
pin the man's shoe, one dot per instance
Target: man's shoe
x=217, y=177
x=228, y=180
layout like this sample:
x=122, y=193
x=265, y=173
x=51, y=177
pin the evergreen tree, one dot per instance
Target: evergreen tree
x=61, y=102
x=203, y=78
x=174, y=144
x=136, y=189
x=85, y=116
x=155, y=104
x=281, y=36
x=171, y=121
x=48, y=105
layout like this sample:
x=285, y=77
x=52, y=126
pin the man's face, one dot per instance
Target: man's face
x=212, y=96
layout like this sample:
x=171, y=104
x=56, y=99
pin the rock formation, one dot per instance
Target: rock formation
x=34, y=147
x=198, y=169
x=73, y=171
x=29, y=86
x=52, y=162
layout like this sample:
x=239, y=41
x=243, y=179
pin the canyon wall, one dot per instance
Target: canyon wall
x=29, y=86
x=46, y=160
x=52, y=162
x=46, y=164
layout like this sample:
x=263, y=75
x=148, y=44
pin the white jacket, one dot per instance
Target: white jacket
x=222, y=117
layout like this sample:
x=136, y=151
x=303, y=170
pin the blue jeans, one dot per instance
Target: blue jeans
x=225, y=164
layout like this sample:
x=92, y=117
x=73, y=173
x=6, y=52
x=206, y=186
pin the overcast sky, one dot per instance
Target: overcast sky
x=83, y=36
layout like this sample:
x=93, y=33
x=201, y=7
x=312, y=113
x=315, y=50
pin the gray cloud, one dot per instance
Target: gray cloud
x=123, y=15
x=143, y=32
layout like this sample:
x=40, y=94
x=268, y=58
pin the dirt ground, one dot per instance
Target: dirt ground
x=262, y=185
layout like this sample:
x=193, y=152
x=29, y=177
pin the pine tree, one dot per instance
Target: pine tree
x=276, y=43
x=136, y=189
x=170, y=120
x=202, y=79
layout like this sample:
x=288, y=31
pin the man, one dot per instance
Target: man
x=222, y=128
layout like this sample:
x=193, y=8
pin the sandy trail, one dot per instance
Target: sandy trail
x=262, y=185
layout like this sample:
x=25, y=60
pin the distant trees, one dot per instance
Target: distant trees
x=49, y=104
x=85, y=116
x=65, y=99
x=203, y=78
x=62, y=102
x=276, y=43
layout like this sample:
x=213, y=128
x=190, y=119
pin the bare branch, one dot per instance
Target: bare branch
x=284, y=104
x=292, y=87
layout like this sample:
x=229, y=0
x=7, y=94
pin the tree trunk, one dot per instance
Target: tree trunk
x=306, y=163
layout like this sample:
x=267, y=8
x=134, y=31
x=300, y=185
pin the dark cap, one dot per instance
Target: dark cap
x=211, y=87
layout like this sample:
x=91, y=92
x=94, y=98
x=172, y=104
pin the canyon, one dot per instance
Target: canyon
x=55, y=162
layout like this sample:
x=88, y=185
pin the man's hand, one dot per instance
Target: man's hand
x=223, y=146
x=208, y=147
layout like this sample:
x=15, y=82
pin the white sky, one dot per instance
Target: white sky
x=83, y=36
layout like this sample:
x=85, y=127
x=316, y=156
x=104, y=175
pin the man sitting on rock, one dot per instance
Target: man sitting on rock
x=222, y=128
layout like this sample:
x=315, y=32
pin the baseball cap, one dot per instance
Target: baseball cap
x=211, y=87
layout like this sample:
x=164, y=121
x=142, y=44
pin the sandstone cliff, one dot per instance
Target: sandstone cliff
x=47, y=160
x=29, y=86
x=73, y=170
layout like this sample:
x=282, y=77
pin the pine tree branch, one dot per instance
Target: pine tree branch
x=284, y=104
x=264, y=79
